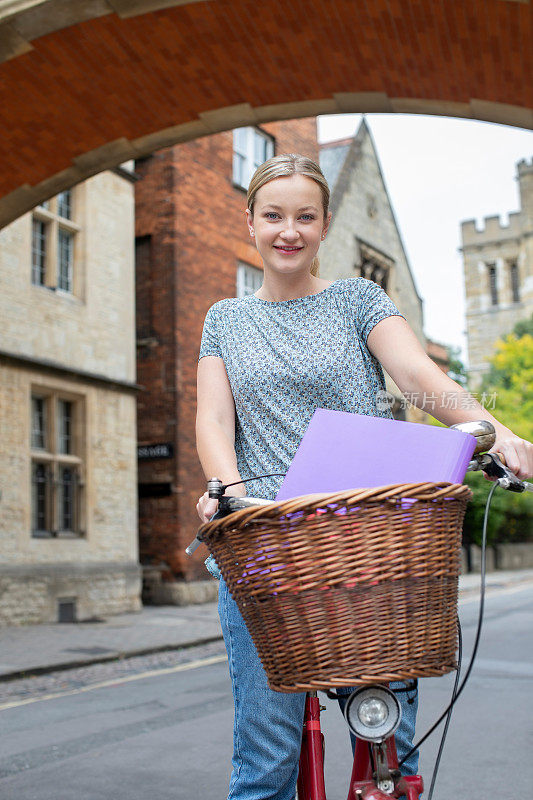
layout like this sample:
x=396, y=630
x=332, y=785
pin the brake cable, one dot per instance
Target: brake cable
x=223, y=487
x=456, y=694
x=449, y=715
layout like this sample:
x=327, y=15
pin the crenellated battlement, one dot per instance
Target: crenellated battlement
x=491, y=229
x=525, y=165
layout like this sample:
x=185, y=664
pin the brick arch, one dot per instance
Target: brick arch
x=85, y=86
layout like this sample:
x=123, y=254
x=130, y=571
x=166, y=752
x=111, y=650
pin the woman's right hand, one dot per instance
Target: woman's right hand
x=206, y=507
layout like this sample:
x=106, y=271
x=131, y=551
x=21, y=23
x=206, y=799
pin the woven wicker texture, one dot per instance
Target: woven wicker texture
x=354, y=587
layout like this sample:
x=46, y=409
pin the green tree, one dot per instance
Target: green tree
x=510, y=515
x=509, y=383
x=507, y=390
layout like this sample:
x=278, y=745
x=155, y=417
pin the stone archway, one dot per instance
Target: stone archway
x=86, y=86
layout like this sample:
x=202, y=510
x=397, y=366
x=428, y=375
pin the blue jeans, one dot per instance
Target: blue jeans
x=267, y=726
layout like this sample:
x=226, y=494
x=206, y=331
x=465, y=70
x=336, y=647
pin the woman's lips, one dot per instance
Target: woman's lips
x=287, y=250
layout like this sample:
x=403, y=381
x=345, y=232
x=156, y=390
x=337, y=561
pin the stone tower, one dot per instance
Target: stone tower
x=498, y=268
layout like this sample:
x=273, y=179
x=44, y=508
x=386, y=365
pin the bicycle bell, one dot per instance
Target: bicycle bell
x=215, y=488
x=482, y=429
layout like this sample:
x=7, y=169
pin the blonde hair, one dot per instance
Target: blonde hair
x=289, y=164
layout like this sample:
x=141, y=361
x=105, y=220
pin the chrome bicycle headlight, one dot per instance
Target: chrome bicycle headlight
x=373, y=713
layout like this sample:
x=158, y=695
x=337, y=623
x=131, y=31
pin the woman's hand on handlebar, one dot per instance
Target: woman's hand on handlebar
x=518, y=453
x=206, y=507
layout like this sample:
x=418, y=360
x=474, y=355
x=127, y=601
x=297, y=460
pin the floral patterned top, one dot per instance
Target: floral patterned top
x=286, y=359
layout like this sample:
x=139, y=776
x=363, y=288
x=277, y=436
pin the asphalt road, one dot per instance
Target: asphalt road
x=160, y=726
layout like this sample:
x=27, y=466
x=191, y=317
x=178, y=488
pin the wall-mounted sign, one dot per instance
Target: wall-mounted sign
x=148, y=452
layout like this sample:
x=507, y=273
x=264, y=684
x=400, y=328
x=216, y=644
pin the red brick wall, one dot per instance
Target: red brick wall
x=156, y=350
x=187, y=202
x=439, y=354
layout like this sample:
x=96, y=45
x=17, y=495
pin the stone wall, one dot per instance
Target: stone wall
x=510, y=556
x=80, y=346
x=32, y=593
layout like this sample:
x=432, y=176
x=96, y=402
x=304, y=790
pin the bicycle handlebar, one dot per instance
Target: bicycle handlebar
x=492, y=464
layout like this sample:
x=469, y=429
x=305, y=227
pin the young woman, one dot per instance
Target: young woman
x=267, y=361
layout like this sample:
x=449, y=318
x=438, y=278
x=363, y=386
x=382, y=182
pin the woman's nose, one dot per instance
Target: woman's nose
x=289, y=232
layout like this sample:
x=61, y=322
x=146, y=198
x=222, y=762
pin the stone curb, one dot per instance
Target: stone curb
x=113, y=656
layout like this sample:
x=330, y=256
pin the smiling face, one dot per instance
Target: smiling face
x=288, y=223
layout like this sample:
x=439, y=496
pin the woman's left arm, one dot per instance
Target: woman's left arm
x=396, y=347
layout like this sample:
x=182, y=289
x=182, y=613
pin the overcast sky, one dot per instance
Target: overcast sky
x=440, y=171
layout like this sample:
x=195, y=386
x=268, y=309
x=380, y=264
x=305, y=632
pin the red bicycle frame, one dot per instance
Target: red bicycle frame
x=363, y=785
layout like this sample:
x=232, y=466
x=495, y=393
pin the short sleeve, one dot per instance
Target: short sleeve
x=210, y=344
x=373, y=305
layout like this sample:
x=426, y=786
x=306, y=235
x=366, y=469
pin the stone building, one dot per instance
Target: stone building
x=364, y=238
x=68, y=461
x=498, y=270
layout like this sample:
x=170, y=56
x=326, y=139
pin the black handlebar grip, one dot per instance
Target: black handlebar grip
x=491, y=464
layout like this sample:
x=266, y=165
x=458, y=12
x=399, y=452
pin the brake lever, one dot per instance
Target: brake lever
x=227, y=504
x=224, y=508
x=491, y=464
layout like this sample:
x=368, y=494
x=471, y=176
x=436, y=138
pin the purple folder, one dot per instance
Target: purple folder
x=350, y=451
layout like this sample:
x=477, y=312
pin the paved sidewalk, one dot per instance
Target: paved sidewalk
x=42, y=648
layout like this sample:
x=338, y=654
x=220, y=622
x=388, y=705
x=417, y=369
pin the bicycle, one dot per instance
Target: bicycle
x=372, y=710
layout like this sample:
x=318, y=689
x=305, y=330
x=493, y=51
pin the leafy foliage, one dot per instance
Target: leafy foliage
x=511, y=378
x=510, y=381
x=510, y=515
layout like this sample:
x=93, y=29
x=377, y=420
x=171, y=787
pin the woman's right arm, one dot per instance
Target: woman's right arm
x=215, y=430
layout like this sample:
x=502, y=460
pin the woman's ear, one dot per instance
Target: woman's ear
x=250, y=222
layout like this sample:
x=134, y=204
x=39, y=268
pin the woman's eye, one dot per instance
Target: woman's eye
x=271, y=215
x=307, y=217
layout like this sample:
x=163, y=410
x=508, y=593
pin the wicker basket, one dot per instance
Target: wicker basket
x=354, y=587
